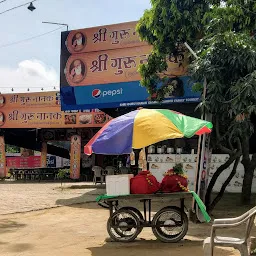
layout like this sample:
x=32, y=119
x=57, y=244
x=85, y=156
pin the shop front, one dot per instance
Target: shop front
x=107, y=63
x=99, y=69
x=36, y=119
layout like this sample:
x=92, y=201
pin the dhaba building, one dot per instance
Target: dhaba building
x=35, y=122
x=99, y=69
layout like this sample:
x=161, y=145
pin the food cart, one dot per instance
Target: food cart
x=136, y=130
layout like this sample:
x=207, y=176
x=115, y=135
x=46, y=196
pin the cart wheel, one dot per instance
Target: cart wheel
x=170, y=224
x=103, y=204
x=123, y=226
x=138, y=213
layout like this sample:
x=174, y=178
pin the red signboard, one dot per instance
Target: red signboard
x=24, y=162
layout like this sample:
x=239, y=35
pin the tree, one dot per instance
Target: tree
x=231, y=95
x=166, y=26
x=63, y=174
x=220, y=33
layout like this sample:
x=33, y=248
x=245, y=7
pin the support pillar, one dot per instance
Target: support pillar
x=75, y=157
x=3, y=169
x=44, y=154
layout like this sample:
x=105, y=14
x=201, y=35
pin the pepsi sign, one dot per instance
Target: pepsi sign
x=96, y=93
x=125, y=94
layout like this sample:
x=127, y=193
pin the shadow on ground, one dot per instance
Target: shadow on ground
x=7, y=226
x=151, y=248
x=85, y=186
x=86, y=198
x=19, y=247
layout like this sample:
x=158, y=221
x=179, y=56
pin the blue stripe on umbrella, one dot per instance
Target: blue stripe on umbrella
x=116, y=139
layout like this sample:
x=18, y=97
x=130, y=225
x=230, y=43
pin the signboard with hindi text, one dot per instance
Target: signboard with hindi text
x=42, y=110
x=99, y=69
x=115, y=66
x=101, y=38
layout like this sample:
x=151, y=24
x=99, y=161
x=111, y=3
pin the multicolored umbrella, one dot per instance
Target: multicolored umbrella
x=144, y=127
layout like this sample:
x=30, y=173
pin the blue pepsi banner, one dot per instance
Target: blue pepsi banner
x=123, y=95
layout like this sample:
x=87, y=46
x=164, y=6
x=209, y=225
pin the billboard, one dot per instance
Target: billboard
x=103, y=72
x=113, y=66
x=42, y=110
x=126, y=94
x=101, y=38
x=24, y=162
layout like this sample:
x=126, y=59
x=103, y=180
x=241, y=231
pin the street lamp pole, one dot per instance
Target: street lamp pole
x=55, y=23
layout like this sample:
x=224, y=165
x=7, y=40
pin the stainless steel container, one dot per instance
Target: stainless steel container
x=179, y=150
x=160, y=150
x=170, y=150
x=151, y=149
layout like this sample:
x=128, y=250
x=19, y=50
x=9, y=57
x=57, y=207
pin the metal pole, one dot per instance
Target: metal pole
x=55, y=23
x=200, y=147
x=190, y=49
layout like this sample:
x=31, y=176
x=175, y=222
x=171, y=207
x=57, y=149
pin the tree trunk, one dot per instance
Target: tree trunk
x=247, y=187
x=249, y=166
x=223, y=188
x=215, y=176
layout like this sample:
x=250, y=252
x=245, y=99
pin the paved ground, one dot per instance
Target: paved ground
x=80, y=229
x=23, y=197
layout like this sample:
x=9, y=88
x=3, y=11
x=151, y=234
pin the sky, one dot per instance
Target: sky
x=34, y=64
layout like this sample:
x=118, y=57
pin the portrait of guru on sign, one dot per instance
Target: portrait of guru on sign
x=77, y=71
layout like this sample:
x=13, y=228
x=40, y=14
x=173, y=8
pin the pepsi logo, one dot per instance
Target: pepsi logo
x=96, y=93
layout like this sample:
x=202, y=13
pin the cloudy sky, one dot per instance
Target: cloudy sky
x=34, y=63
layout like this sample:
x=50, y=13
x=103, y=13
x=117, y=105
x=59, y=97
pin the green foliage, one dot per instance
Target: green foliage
x=228, y=62
x=226, y=51
x=231, y=15
x=63, y=173
x=222, y=33
x=197, y=87
x=178, y=168
x=166, y=26
x=12, y=149
x=170, y=23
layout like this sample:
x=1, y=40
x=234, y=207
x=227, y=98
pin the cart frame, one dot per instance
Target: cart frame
x=146, y=220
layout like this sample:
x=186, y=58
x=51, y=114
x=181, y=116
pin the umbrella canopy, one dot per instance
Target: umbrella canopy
x=143, y=127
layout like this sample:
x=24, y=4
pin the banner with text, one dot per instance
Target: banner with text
x=114, y=66
x=99, y=64
x=42, y=110
x=101, y=38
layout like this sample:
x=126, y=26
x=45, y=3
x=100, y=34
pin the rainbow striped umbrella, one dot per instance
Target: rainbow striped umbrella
x=144, y=127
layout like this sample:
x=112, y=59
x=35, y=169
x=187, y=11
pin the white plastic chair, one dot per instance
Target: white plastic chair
x=110, y=170
x=97, y=174
x=124, y=170
x=241, y=244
